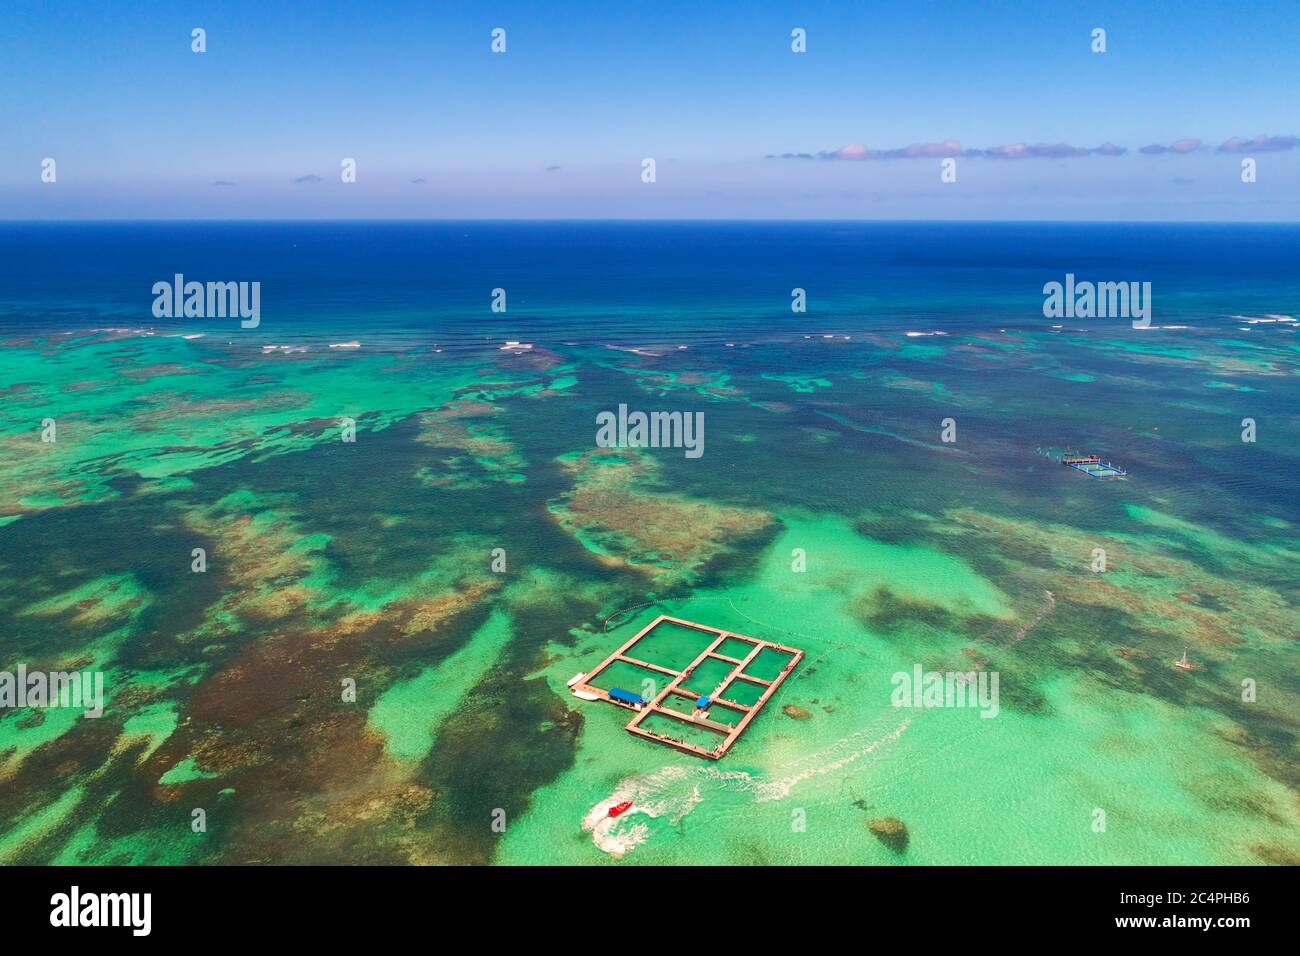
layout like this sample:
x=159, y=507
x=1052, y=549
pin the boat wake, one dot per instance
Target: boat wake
x=844, y=752
x=659, y=795
x=669, y=794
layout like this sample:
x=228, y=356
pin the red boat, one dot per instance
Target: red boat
x=619, y=808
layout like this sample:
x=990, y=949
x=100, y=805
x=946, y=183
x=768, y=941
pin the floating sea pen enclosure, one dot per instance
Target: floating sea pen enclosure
x=683, y=665
x=1093, y=466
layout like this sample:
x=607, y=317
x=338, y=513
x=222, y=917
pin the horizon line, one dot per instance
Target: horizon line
x=105, y=220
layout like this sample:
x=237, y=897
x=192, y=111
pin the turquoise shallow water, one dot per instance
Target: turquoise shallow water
x=473, y=548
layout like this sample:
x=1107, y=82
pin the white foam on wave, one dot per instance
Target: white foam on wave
x=354, y=344
x=634, y=351
x=125, y=331
x=1270, y=318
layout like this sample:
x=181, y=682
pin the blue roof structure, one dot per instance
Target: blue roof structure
x=625, y=696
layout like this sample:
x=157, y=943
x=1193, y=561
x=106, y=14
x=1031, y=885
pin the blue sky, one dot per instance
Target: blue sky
x=557, y=127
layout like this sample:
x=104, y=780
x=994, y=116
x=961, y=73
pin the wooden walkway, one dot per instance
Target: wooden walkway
x=680, y=686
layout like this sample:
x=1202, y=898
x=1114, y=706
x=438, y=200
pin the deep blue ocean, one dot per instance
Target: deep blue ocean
x=637, y=282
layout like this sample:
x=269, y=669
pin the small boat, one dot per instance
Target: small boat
x=1183, y=662
x=620, y=808
x=575, y=678
x=585, y=695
